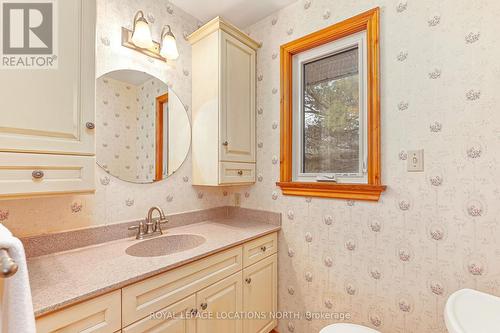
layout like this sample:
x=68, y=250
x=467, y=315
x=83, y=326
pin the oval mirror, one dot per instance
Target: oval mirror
x=143, y=130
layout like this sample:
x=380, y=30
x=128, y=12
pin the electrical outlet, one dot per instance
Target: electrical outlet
x=237, y=199
x=415, y=162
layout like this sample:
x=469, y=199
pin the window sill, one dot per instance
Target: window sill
x=338, y=191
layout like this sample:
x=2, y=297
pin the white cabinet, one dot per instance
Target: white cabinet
x=260, y=295
x=218, y=303
x=49, y=112
x=224, y=61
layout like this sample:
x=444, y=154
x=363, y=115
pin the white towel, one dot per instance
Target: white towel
x=16, y=313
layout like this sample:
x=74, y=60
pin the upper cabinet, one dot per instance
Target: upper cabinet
x=48, y=97
x=47, y=110
x=224, y=61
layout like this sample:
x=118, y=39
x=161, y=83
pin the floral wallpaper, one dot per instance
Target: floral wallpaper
x=147, y=127
x=117, y=125
x=117, y=201
x=391, y=265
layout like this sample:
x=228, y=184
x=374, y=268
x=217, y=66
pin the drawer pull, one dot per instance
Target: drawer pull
x=263, y=249
x=193, y=312
x=90, y=125
x=37, y=174
x=248, y=280
x=204, y=306
x=240, y=173
x=225, y=143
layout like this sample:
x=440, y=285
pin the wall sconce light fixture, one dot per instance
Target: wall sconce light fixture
x=168, y=44
x=141, y=35
x=140, y=40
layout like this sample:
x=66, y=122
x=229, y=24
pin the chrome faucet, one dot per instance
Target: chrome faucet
x=152, y=226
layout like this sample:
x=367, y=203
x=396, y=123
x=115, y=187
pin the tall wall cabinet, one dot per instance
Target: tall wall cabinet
x=47, y=141
x=224, y=62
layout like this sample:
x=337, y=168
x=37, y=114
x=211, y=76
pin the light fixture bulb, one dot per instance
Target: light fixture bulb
x=141, y=36
x=168, y=44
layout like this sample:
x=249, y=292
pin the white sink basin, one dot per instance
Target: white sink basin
x=162, y=246
x=471, y=311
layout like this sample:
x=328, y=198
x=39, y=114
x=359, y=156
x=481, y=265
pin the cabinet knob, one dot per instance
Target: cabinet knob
x=263, y=249
x=204, y=306
x=240, y=173
x=90, y=125
x=193, y=312
x=225, y=143
x=248, y=280
x=37, y=174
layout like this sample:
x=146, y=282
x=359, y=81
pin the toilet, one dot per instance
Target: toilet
x=347, y=328
x=472, y=311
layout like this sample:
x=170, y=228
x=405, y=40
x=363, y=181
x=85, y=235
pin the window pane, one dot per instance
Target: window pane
x=331, y=114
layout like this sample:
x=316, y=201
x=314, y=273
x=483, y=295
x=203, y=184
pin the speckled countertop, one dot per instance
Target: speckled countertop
x=64, y=278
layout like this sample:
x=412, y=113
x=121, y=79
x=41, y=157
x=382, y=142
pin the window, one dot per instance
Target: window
x=330, y=143
x=329, y=111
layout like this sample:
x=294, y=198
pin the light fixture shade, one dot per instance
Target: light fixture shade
x=168, y=45
x=141, y=36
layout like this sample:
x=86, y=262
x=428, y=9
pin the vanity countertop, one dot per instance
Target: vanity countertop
x=65, y=278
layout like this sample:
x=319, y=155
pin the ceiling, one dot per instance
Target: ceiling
x=242, y=13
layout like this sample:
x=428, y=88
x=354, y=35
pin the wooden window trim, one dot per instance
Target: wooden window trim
x=369, y=22
x=160, y=102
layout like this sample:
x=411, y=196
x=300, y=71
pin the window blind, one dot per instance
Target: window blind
x=331, y=68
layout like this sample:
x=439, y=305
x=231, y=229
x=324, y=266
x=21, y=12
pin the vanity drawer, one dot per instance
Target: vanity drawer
x=40, y=174
x=235, y=173
x=174, y=318
x=259, y=249
x=146, y=297
x=98, y=315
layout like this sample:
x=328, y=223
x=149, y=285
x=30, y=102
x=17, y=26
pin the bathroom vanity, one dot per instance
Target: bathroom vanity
x=212, y=270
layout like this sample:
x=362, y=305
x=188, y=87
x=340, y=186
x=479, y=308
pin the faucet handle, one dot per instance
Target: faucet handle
x=159, y=224
x=140, y=230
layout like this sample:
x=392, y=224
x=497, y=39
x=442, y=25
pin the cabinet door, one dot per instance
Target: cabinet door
x=260, y=295
x=237, y=134
x=214, y=302
x=177, y=318
x=46, y=110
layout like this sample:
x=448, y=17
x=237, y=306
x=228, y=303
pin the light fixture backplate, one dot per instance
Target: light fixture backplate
x=153, y=52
